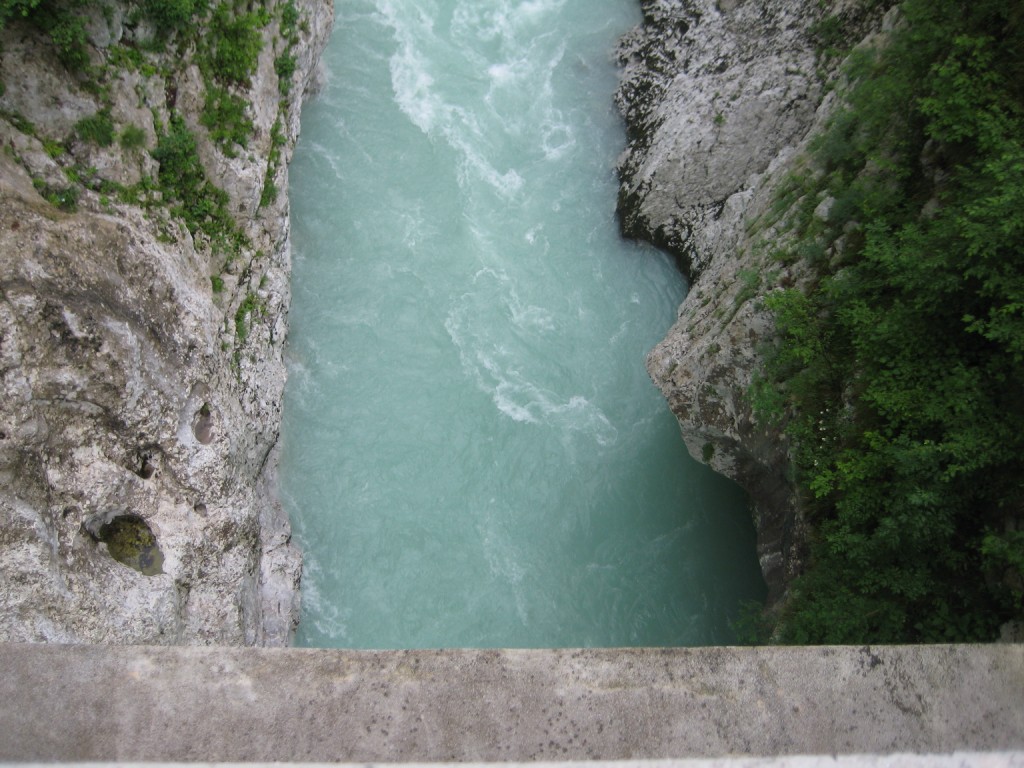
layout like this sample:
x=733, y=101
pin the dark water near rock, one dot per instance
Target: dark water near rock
x=473, y=454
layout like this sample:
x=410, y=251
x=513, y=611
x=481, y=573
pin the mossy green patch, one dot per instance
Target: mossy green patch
x=131, y=542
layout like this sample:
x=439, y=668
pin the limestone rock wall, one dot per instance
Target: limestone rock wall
x=720, y=100
x=129, y=392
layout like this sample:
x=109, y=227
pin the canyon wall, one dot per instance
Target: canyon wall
x=721, y=99
x=142, y=367
x=141, y=359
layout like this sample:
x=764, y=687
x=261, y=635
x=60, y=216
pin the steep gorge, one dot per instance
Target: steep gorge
x=138, y=389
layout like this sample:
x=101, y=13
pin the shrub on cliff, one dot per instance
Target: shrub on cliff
x=901, y=370
x=13, y=9
x=183, y=181
x=98, y=129
x=230, y=53
x=168, y=16
x=60, y=20
x=224, y=114
x=234, y=45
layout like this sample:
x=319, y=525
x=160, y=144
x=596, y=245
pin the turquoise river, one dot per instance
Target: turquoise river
x=472, y=452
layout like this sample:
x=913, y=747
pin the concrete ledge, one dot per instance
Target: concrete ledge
x=903, y=760
x=100, y=703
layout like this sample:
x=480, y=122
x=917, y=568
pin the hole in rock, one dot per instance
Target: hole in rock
x=146, y=468
x=202, y=425
x=131, y=541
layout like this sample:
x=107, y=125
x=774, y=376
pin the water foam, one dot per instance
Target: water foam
x=424, y=104
x=520, y=399
x=557, y=140
x=410, y=68
x=504, y=20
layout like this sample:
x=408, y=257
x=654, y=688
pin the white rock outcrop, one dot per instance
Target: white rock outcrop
x=127, y=392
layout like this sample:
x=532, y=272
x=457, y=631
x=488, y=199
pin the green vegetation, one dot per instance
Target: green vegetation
x=285, y=63
x=123, y=57
x=65, y=198
x=224, y=114
x=19, y=121
x=98, y=129
x=230, y=53
x=289, y=18
x=60, y=20
x=234, y=43
x=829, y=34
x=16, y=9
x=53, y=148
x=899, y=373
x=243, y=316
x=228, y=38
x=277, y=140
x=63, y=21
x=270, y=191
x=284, y=66
x=168, y=16
x=200, y=204
x=750, y=281
x=132, y=138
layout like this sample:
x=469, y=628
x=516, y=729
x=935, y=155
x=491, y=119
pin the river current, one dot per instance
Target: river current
x=472, y=452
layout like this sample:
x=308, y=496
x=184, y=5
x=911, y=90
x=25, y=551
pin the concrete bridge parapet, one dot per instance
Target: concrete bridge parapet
x=134, y=703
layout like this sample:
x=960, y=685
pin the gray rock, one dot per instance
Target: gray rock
x=721, y=100
x=125, y=392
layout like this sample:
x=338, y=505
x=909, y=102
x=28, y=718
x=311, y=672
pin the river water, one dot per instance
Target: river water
x=472, y=453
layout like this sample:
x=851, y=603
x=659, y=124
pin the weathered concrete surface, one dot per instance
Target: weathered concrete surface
x=230, y=704
x=954, y=760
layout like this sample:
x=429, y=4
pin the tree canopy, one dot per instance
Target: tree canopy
x=899, y=372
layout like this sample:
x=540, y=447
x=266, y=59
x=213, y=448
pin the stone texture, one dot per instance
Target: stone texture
x=125, y=389
x=721, y=100
x=239, y=704
x=903, y=760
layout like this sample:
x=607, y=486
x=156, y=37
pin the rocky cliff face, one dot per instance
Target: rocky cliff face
x=141, y=367
x=721, y=99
